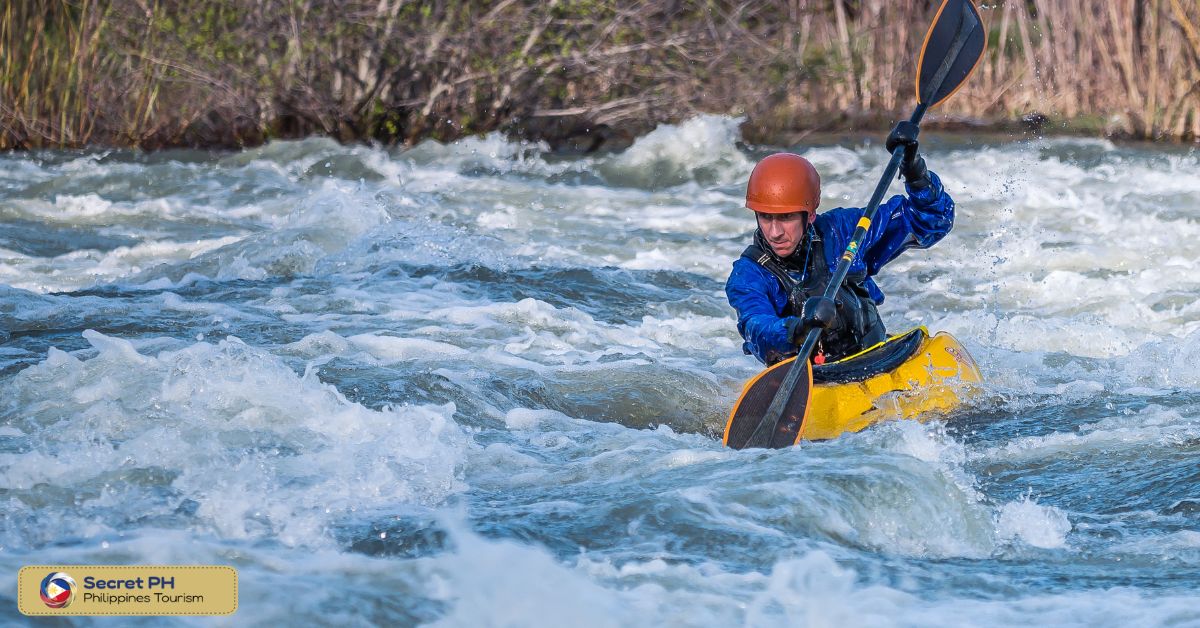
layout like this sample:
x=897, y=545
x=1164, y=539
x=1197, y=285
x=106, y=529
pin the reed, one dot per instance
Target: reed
x=160, y=73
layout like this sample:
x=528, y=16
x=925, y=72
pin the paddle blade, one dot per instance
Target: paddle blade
x=756, y=398
x=953, y=47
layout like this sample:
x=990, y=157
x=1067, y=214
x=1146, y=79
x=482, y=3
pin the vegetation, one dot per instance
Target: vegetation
x=159, y=73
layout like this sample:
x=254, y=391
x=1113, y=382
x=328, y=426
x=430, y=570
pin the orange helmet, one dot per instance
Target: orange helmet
x=784, y=183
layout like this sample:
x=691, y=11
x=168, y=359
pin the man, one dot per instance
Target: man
x=777, y=284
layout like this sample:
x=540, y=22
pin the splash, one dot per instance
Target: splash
x=701, y=150
x=223, y=431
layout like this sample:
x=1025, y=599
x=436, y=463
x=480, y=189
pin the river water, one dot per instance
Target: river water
x=482, y=384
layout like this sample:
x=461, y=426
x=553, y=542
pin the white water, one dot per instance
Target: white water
x=479, y=384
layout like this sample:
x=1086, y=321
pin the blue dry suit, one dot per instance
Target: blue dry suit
x=917, y=220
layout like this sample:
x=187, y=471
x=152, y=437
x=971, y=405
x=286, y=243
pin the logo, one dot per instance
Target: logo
x=58, y=589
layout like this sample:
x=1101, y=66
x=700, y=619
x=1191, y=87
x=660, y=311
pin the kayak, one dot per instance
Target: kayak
x=908, y=376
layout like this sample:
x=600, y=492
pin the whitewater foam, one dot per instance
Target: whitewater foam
x=230, y=428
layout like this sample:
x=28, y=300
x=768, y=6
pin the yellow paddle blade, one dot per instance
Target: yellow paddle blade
x=756, y=398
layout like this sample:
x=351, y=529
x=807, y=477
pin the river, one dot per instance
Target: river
x=484, y=384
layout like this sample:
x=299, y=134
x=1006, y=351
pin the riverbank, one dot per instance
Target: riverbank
x=582, y=76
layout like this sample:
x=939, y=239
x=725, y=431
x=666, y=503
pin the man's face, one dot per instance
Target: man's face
x=783, y=232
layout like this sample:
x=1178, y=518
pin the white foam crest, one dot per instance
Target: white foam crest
x=86, y=209
x=709, y=219
x=388, y=348
x=605, y=450
x=528, y=312
x=338, y=207
x=615, y=226
x=539, y=332
x=901, y=488
x=1032, y=523
x=1118, y=171
x=1035, y=334
x=73, y=208
x=531, y=218
x=835, y=162
x=1026, y=521
x=151, y=215
x=1179, y=546
x=1171, y=174
x=525, y=418
x=544, y=594
x=682, y=258
x=330, y=214
x=318, y=345
x=419, y=243
x=942, y=513
x=812, y=589
x=815, y=591
x=690, y=332
x=984, y=182
x=295, y=160
x=261, y=450
x=1167, y=362
x=324, y=223
x=702, y=149
x=1083, y=256
x=87, y=267
x=892, y=504
x=18, y=171
x=1126, y=434
x=492, y=152
x=562, y=335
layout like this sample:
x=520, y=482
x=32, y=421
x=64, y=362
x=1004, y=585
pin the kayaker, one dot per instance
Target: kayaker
x=776, y=285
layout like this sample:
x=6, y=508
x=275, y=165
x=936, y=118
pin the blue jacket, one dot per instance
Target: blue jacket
x=903, y=222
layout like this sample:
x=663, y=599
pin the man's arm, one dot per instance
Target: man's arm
x=916, y=220
x=750, y=290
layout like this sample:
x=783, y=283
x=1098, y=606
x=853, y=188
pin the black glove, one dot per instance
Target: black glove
x=817, y=312
x=912, y=166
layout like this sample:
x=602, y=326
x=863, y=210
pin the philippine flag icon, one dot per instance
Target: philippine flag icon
x=58, y=589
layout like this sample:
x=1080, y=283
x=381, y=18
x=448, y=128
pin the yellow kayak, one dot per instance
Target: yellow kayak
x=907, y=376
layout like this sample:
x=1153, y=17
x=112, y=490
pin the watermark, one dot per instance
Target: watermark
x=127, y=590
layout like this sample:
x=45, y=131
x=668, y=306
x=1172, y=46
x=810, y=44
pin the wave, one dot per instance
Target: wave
x=220, y=437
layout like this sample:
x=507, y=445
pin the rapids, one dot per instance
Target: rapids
x=484, y=384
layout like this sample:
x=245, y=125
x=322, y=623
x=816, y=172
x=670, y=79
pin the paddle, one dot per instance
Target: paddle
x=953, y=46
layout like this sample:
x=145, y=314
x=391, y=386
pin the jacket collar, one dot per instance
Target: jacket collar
x=795, y=261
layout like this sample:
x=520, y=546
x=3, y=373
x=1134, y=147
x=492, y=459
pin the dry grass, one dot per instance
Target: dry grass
x=156, y=73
